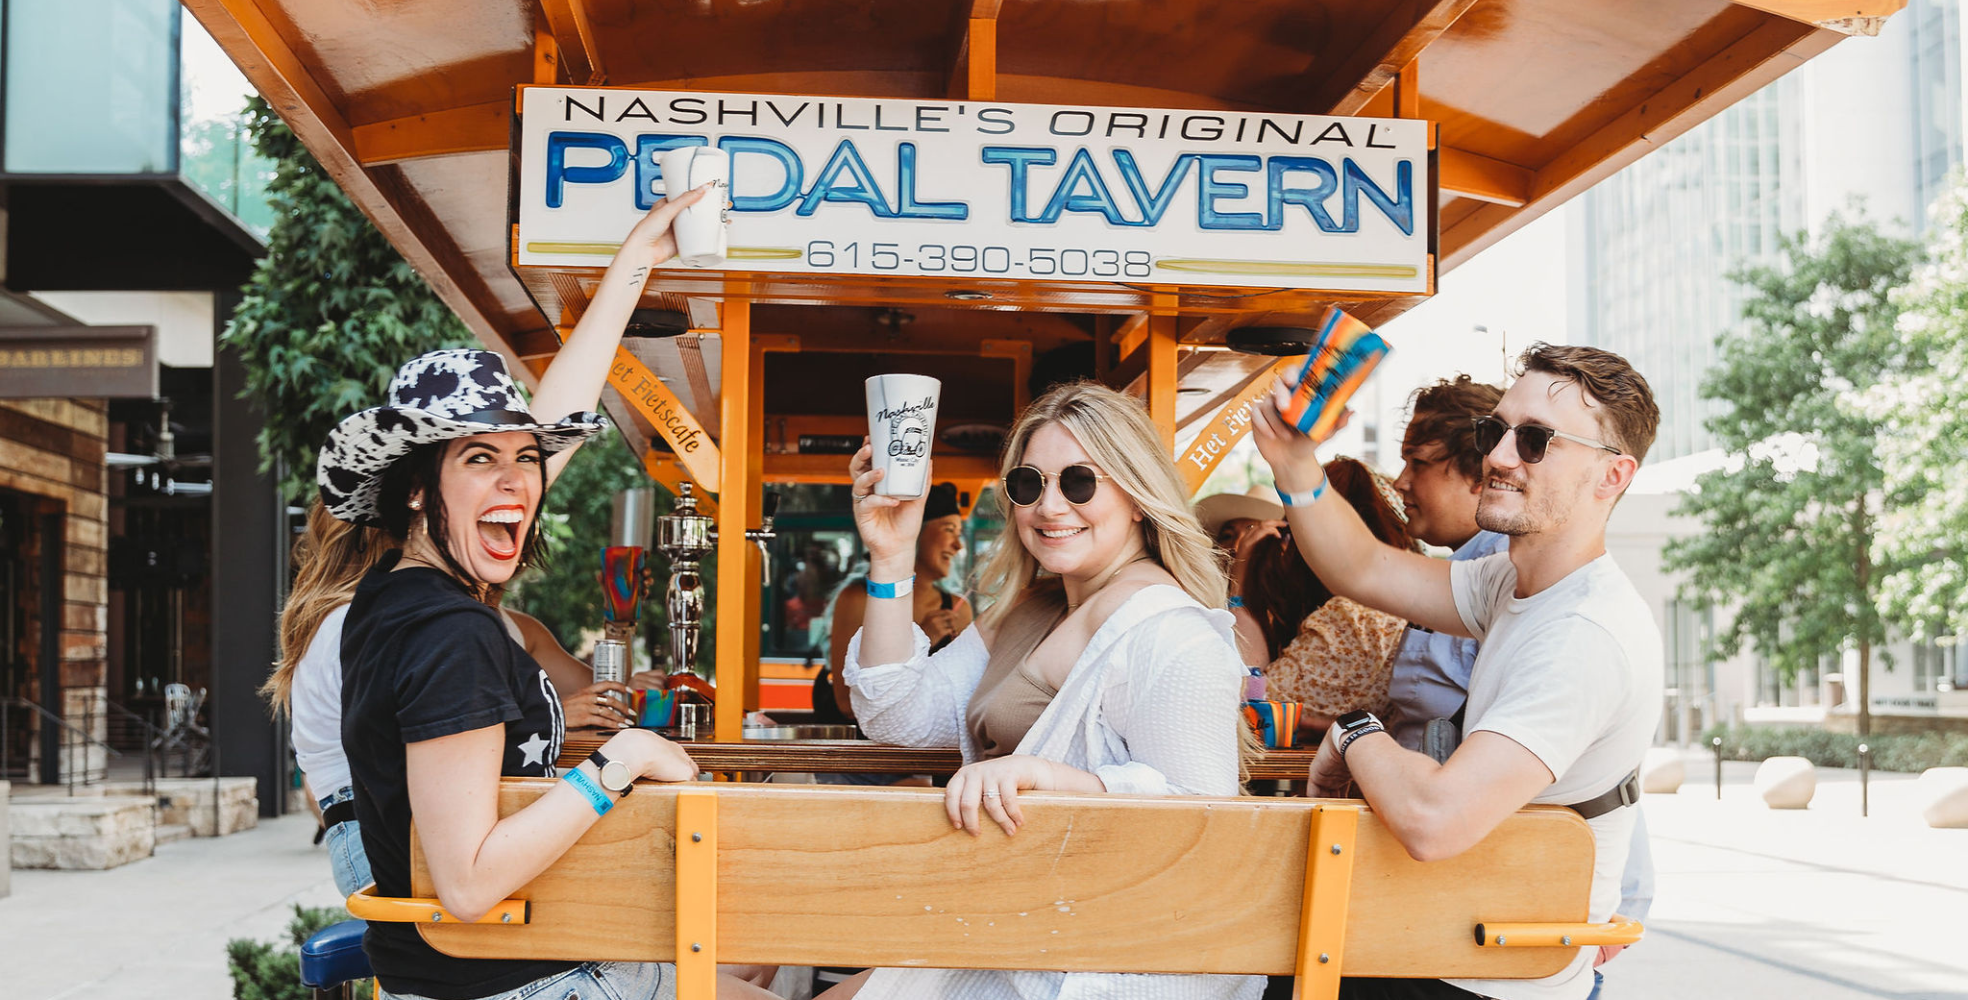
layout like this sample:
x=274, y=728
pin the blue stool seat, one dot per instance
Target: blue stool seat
x=333, y=956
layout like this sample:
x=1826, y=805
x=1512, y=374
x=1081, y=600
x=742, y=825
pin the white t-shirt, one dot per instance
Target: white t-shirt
x=317, y=709
x=316, y=704
x=1573, y=674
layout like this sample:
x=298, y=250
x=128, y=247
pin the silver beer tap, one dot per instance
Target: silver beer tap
x=763, y=534
x=686, y=537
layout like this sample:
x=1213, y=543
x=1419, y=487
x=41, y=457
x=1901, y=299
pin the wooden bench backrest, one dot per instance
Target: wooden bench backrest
x=822, y=876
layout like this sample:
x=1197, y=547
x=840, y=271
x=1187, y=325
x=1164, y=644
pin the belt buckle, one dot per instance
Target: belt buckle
x=1629, y=790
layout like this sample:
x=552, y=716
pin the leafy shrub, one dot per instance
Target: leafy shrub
x=1910, y=752
x=262, y=971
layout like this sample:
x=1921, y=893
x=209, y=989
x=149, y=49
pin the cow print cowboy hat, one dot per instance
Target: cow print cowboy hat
x=440, y=396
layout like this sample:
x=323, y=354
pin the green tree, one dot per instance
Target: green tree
x=330, y=313
x=1923, y=541
x=1790, y=519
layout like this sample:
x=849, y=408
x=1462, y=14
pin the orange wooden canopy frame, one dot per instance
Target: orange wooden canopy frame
x=409, y=108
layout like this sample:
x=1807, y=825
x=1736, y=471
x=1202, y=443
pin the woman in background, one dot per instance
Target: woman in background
x=938, y=612
x=1329, y=654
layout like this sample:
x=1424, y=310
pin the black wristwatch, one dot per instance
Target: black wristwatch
x=615, y=775
x=1352, y=726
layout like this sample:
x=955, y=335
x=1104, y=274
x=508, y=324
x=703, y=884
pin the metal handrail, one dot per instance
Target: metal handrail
x=152, y=736
x=68, y=727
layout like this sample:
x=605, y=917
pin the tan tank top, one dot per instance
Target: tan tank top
x=1011, y=696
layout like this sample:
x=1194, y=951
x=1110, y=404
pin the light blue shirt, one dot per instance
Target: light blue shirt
x=1431, y=669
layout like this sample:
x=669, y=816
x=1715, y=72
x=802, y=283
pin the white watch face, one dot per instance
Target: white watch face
x=615, y=776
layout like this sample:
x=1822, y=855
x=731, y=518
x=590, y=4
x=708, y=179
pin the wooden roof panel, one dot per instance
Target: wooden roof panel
x=406, y=103
x=1524, y=80
x=641, y=41
x=1244, y=54
x=455, y=188
x=385, y=60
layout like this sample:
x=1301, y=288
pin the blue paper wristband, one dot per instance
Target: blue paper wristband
x=900, y=588
x=600, y=800
x=1305, y=499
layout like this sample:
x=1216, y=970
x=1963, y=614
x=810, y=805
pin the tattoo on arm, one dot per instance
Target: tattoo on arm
x=638, y=276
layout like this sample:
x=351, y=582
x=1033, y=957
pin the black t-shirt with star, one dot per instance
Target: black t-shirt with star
x=422, y=659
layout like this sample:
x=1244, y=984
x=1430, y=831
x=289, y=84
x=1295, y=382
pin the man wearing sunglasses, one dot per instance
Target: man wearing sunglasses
x=1440, y=484
x=1565, y=691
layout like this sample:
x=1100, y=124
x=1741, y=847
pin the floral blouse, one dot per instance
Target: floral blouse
x=1342, y=660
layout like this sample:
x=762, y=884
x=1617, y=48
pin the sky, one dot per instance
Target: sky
x=1515, y=290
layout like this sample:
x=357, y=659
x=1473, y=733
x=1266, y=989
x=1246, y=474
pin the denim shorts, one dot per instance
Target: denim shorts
x=345, y=854
x=589, y=981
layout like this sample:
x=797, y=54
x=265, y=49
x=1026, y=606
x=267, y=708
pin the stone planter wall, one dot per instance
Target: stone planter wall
x=188, y=802
x=86, y=833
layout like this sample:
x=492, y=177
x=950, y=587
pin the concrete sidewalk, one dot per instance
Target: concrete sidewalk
x=1816, y=904
x=158, y=927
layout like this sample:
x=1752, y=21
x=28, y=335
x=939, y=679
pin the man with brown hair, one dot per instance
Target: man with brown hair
x=1441, y=479
x=1565, y=692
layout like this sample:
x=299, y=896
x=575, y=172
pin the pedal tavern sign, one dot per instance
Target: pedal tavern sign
x=993, y=190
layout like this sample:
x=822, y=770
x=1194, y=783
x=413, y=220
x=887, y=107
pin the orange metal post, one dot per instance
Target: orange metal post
x=737, y=580
x=983, y=59
x=696, y=892
x=1322, y=910
x=1161, y=377
x=754, y=499
x=1407, y=92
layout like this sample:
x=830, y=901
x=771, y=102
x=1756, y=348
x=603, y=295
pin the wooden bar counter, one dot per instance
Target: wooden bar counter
x=865, y=757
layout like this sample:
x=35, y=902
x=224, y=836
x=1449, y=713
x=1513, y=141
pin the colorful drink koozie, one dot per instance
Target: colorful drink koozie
x=621, y=582
x=1276, y=722
x=655, y=709
x=1345, y=354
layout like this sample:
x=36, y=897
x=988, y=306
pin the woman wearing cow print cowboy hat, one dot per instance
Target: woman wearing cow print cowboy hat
x=438, y=701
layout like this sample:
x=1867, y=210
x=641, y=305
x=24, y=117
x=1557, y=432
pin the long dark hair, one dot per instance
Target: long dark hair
x=422, y=470
x=1280, y=590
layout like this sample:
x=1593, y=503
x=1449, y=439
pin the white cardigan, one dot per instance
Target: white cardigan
x=1151, y=708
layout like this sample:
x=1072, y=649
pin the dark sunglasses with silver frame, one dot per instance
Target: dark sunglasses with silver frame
x=1025, y=485
x=1533, y=440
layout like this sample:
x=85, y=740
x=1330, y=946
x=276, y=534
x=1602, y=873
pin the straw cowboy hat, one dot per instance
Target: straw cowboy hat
x=1217, y=508
x=440, y=396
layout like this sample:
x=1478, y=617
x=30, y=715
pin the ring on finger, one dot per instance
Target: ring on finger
x=990, y=793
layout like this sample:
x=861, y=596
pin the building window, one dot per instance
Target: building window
x=1937, y=663
x=92, y=87
x=1690, y=678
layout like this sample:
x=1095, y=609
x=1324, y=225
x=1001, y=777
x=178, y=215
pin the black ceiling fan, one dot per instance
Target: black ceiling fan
x=158, y=469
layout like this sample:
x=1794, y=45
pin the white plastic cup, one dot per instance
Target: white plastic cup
x=701, y=237
x=902, y=427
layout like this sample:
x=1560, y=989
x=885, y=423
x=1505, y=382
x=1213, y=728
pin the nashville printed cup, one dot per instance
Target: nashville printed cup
x=901, y=427
x=701, y=236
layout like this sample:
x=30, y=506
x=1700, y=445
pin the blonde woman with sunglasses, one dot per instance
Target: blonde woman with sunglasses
x=1105, y=665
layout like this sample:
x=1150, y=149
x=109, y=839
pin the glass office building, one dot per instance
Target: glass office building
x=1656, y=242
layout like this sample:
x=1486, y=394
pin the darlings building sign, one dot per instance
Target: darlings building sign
x=106, y=361
x=963, y=189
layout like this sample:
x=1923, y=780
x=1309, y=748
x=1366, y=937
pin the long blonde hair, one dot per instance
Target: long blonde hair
x=332, y=556
x=1115, y=431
